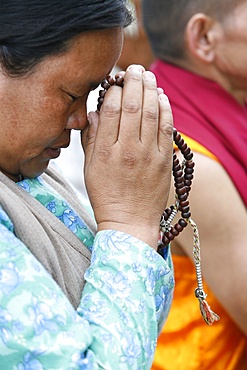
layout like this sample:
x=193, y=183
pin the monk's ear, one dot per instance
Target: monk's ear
x=200, y=37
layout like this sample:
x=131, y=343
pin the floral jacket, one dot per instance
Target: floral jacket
x=123, y=307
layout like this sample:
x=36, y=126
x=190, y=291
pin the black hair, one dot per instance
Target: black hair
x=31, y=30
x=165, y=22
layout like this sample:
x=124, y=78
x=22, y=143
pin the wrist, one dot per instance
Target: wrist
x=147, y=234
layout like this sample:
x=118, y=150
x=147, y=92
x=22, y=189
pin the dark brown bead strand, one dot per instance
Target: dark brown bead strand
x=110, y=81
x=182, y=174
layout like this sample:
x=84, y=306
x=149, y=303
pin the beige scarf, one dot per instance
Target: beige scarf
x=61, y=253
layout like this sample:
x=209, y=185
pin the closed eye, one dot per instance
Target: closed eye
x=73, y=97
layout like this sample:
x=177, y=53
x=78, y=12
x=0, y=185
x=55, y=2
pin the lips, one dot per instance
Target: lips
x=53, y=153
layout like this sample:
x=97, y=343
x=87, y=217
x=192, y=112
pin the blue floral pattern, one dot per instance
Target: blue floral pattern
x=124, y=303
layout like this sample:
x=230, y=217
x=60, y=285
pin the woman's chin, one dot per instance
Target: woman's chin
x=31, y=173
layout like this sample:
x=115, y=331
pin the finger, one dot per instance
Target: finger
x=165, y=133
x=129, y=130
x=150, y=114
x=160, y=90
x=109, y=116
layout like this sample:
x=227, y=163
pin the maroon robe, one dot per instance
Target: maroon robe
x=207, y=113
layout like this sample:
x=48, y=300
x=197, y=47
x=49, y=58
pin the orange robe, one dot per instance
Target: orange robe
x=187, y=342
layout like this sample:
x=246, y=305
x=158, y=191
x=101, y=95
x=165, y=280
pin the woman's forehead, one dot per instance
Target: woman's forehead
x=91, y=55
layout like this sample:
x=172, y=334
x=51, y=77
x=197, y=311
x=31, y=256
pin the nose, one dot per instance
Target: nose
x=78, y=118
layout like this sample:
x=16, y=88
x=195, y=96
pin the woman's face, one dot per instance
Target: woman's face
x=38, y=111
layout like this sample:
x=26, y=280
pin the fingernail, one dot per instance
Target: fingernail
x=163, y=98
x=136, y=68
x=147, y=75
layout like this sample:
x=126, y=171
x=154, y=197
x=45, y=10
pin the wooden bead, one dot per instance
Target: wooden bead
x=184, y=203
x=182, y=223
x=102, y=93
x=176, y=136
x=186, y=214
x=176, y=168
x=188, y=176
x=169, y=236
x=187, y=182
x=183, y=196
x=175, y=161
x=189, y=170
x=174, y=231
x=190, y=164
x=186, y=151
x=178, y=227
x=165, y=240
x=181, y=191
x=189, y=156
x=165, y=216
x=179, y=180
x=178, y=173
x=179, y=186
x=111, y=80
x=105, y=85
x=119, y=81
x=184, y=210
x=180, y=143
x=183, y=147
x=168, y=211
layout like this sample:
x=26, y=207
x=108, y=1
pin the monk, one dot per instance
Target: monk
x=200, y=49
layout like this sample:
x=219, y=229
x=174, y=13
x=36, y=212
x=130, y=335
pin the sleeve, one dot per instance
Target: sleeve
x=127, y=296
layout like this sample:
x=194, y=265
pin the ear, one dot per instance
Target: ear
x=200, y=37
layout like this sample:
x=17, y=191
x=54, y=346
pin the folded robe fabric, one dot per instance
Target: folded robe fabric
x=207, y=113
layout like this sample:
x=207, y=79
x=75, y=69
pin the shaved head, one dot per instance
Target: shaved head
x=165, y=21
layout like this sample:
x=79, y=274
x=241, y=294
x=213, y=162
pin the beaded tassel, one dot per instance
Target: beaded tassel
x=208, y=315
x=183, y=175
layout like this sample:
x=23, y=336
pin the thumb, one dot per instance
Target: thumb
x=88, y=136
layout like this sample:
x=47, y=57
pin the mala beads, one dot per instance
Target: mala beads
x=183, y=176
x=110, y=81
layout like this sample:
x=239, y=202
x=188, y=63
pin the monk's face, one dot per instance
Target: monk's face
x=231, y=50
